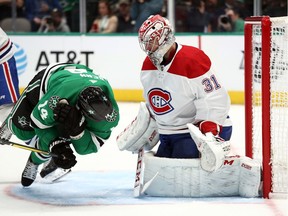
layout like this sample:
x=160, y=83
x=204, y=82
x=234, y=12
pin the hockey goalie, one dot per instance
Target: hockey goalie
x=187, y=109
x=214, y=174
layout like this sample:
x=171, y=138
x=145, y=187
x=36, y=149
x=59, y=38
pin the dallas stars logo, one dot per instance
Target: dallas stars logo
x=23, y=122
x=53, y=101
x=91, y=112
x=111, y=117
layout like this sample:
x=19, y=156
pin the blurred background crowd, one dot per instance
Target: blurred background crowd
x=125, y=16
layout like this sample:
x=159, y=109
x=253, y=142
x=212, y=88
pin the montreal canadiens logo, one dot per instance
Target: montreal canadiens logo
x=160, y=101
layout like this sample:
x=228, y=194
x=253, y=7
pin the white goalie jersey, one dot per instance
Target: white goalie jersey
x=185, y=91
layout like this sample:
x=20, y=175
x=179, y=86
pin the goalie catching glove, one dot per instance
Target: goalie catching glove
x=63, y=155
x=212, y=147
x=71, y=120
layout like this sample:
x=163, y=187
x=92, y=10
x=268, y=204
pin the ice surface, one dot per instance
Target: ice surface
x=101, y=184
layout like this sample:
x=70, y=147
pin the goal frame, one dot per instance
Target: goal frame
x=265, y=23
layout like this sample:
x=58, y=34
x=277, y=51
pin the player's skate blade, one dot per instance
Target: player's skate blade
x=52, y=173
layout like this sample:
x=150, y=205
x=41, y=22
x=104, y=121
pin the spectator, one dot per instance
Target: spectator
x=237, y=22
x=142, y=9
x=54, y=23
x=198, y=18
x=125, y=22
x=181, y=15
x=6, y=10
x=231, y=21
x=38, y=9
x=275, y=8
x=224, y=23
x=106, y=22
x=243, y=8
x=214, y=10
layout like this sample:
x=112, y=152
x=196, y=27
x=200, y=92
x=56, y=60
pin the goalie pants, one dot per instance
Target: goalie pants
x=182, y=145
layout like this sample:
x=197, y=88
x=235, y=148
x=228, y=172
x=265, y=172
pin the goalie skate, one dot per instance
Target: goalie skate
x=51, y=173
x=212, y=149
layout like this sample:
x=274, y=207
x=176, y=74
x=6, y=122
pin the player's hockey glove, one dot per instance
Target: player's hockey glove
x=63, y=155
x=71, y=119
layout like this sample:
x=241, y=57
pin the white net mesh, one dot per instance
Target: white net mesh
x=279, y=100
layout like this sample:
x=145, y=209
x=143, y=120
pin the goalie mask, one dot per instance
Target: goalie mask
x=155, y=38
x=95, y=105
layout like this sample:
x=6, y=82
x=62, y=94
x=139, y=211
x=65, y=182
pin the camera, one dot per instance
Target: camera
x=49, y=20
x=224, y=19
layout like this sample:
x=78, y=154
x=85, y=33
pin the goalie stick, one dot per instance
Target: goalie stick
x=139, y=176
x=29, y=148
x=139, y=188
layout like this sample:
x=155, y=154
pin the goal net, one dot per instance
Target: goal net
x=266, y=100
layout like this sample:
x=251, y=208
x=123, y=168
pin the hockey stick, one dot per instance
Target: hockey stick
x=139, y=188
x=139, y=176
x=17, y=145
x=148, y=183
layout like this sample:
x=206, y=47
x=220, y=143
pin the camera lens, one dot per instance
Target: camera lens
x=224, y=19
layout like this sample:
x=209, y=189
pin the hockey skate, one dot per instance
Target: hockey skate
x=51, y=172
x=5, y=133
x=29, y=173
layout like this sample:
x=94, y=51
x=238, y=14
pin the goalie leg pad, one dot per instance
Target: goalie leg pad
x=185, y=178
x=142, y=131
x=250, y=177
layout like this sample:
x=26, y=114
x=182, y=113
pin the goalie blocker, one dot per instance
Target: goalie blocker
x=238, y=176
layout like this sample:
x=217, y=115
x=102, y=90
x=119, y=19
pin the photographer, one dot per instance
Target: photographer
x=224, y=23
x=54, y=23
x=231, y=21
x=236, y=21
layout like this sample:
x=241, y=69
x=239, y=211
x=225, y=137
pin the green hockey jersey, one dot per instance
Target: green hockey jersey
x=66, y=82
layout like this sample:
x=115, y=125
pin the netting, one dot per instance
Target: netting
x=278, y=100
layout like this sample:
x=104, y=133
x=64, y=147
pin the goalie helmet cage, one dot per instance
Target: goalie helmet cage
x=266, y=100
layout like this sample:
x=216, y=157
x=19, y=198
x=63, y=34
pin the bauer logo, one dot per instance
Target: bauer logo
x=21, y=59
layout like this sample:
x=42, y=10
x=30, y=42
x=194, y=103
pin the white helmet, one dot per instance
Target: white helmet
x=155, y=38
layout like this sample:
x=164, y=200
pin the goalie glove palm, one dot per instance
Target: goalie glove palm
x=213, y=148
x=71, y=120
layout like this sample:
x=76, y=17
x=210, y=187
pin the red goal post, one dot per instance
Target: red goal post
x=266, y=99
